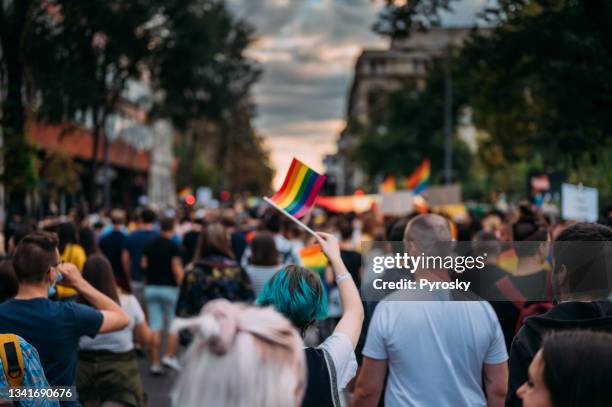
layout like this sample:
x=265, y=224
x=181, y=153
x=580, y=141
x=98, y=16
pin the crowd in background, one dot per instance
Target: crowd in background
x=253, y=311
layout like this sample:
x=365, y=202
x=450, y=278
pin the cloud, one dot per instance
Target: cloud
x=308, y=49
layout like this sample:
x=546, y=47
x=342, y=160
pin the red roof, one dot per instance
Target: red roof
x=78, y=142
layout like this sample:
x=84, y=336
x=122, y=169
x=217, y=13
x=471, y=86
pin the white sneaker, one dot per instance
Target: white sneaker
x=171, y=362
x=156, y=369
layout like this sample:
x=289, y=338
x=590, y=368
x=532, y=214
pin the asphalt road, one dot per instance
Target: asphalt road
x=157, y=387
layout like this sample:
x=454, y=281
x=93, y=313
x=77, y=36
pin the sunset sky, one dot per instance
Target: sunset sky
x=307, y=50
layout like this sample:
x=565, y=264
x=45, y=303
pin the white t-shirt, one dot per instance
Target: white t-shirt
x=340, y=348
x=259, y=276
x=436, y=350
x=118, y=341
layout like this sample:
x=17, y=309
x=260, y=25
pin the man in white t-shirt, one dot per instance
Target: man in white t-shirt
x=436, y=353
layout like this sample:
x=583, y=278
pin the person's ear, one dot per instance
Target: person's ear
x=52, y=276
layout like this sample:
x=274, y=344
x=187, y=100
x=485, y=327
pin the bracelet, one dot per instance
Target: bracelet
x=342, y=276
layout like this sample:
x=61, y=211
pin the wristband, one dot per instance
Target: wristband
x=342, y=276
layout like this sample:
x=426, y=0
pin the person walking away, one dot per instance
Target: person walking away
x=132, y=251
x=32, y=374
x=70, y=252
x=264, y=262
x=523, y=293
x=241, y=356
x=298, y=293
x=107, y=372
x=54, y=327
x=111, y=245
x=163, y=274
x=88, y=241
x=215, y=274
x=581, y=289
x=424, y=340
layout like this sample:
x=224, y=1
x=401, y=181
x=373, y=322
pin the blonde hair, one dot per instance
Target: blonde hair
x=242, y=356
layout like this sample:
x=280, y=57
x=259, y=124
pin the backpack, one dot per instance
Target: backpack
x=526, y=308
x=12, y=359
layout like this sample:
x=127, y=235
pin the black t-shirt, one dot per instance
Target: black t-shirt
x=352, y=261
x=532, y=287
x=159, y=253
x=112, y=246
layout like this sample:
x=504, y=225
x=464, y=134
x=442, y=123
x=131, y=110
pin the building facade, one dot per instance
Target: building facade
x=377, y=74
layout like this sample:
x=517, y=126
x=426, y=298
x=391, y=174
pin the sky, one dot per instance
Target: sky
x=307, y=50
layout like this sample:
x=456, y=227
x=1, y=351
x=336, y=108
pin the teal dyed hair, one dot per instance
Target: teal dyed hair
x=297, y=293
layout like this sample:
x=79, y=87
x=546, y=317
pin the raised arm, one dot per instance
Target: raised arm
x=352, y=316
x=113, y=317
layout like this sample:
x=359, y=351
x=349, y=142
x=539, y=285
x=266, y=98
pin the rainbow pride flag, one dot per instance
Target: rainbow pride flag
x=419, y=179
x=314, y=259
x=299, y=190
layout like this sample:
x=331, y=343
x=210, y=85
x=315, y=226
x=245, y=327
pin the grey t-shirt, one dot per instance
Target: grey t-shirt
x=435, y=350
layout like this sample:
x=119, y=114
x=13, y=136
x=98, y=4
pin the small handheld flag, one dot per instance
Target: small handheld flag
x=419, y=179
x=298, y=192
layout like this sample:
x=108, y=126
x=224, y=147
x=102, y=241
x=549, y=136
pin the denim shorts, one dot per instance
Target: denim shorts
x=161, y=305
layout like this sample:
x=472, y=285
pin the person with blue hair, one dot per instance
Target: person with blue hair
x=298, y=293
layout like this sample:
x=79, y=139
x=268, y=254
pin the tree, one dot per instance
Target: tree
x=400, y=17
x=205, y=76
x=410, y=129
x=189, y=51
x=538, y=78
x=18, y=172
x=82, y=54
x=537, y=85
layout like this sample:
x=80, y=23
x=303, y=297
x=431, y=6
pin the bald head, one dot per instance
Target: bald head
x=425, y=230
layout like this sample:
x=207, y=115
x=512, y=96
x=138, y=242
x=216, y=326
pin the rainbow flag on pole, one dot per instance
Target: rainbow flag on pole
x=299, y=190
x=419, y=179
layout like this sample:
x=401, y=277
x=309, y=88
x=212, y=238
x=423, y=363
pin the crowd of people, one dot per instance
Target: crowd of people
x=223, y=297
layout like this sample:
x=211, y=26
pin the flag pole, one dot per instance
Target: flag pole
x=300, y=224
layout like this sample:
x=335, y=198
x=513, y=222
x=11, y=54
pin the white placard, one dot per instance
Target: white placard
x=579, y=203
x=396, y=203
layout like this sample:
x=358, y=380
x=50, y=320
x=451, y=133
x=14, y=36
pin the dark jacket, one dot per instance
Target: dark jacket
x=595, y=315
x=210, y=278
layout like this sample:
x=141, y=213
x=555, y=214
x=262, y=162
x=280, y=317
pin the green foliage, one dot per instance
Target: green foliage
x=412, y=129
x=538, y=84
x=539, y=87
x=199, y=62
x=399, y=17
x=19, y=161
x=78, y=57
x=81, y=53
